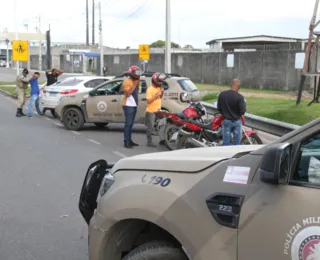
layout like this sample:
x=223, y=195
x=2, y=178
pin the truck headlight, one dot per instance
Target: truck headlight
x=106, y=183
x=184, y=97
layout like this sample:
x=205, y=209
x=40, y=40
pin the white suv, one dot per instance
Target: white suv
x=51, y=95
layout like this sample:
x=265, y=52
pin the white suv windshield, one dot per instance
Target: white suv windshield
x=68, y=82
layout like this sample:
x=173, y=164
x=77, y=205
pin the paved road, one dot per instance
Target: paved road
x=42, y=169
x=9, y=75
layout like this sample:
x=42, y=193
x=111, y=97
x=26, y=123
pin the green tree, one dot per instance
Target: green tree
x=188, y=46
x=162, y=44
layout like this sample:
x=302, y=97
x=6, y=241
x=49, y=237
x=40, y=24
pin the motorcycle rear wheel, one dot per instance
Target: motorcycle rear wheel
x=254, y=138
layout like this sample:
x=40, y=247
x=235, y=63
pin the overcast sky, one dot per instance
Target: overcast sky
x=134, y=22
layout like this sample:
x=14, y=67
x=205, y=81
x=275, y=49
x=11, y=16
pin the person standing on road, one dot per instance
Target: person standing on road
x=34, y=94
x=105, y=70
x=52, y=76
x=130, y=88
x=232, y=106
x=22, y=82
x=154, y=95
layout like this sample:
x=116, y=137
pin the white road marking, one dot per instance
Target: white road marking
x=46, y=118
x=119, y=154
x=94, y=141
x=58, y=124
x=75, y=132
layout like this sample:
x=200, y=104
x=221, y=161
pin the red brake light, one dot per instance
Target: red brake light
x=68, y=91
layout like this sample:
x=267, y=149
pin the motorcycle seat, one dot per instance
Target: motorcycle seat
x=204, y=126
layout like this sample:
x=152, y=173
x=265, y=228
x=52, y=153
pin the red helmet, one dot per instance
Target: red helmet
x=135, y=72
x=158, y=78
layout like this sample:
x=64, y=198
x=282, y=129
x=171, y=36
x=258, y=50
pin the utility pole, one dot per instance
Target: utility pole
x=93, y=24
x=168, y=38
x=101, y=40
x=87, y=23
x=305, y=69
x=7, y=42
x=16, y=30
x=40, y=45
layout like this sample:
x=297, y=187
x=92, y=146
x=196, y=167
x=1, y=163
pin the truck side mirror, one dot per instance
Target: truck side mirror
x=275, y=164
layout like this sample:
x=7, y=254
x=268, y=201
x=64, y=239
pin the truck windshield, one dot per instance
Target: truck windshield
x=187, y=85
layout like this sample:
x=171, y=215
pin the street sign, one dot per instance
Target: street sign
x=144, y=52
x=20, y=50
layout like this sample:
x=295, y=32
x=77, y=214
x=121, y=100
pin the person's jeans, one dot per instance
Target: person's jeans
x=130, y=114
x=231, y=127
x=34, y=100
x=150, y=119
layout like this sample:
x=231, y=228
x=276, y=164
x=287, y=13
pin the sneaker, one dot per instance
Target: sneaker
x=162, y=142
x=40, y=114
x=29, y=116
x=128, y=146
x=151, y=144
x=133, y=144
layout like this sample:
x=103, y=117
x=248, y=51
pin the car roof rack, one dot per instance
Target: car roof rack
x=149, y=74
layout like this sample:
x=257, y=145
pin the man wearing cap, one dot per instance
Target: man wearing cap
x=22, y=82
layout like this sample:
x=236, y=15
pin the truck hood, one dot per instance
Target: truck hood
x=187, y=161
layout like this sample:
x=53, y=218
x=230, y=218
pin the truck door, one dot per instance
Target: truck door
x=105, y=105
x=283, y=221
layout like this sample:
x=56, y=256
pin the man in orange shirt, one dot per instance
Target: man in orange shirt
x=154, y=95
x=130, y=102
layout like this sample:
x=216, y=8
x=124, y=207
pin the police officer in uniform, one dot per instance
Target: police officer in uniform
x=22, y=84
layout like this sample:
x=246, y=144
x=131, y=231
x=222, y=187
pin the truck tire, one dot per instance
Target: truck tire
x=101, y=125
x=254, y=138
x=73, y=119
x=156, y=250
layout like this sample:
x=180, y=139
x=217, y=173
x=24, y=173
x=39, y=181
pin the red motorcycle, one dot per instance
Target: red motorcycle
x=169, y=124
x=195, y=134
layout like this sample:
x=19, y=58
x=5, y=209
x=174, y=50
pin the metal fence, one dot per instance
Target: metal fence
x=263, y=124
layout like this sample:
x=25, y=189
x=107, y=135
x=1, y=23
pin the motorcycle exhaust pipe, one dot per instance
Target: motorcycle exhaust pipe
x=183, y=132
x=195, y=143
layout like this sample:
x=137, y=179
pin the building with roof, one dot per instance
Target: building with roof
x=252, y=43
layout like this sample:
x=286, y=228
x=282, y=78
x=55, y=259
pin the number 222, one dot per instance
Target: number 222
x=156, y=180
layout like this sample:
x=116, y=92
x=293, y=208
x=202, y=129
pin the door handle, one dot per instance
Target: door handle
x=143, y=99
x=113, y=100
x=225, y=208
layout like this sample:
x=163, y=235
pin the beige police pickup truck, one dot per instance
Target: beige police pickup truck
x=103, y=104
x=224, y=203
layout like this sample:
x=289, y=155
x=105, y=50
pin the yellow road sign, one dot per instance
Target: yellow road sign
x=20, y=50
x=144, y=53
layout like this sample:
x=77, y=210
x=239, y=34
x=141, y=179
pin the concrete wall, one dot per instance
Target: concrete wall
x=259, y=69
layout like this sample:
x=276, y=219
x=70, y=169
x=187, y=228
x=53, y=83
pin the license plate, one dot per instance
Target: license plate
x=162, y=121
x=175, y=136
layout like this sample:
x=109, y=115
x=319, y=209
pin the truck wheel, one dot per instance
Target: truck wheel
x=156, y=251
x=101, y=125
x=169, y=131
x=254, y=138
x=73, y=119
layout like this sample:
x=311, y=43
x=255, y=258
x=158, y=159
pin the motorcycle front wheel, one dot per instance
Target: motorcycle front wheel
x=169, y=131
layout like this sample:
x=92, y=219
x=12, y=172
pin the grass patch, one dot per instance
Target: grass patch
x=219, y=88
x=12, y=90
x=281, y=109
x=4, y=83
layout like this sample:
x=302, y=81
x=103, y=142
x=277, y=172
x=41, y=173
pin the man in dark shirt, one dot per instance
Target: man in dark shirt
x=52, y=76
x=232, y=106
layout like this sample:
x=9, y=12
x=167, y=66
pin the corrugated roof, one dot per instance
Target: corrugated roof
x=255, y=36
